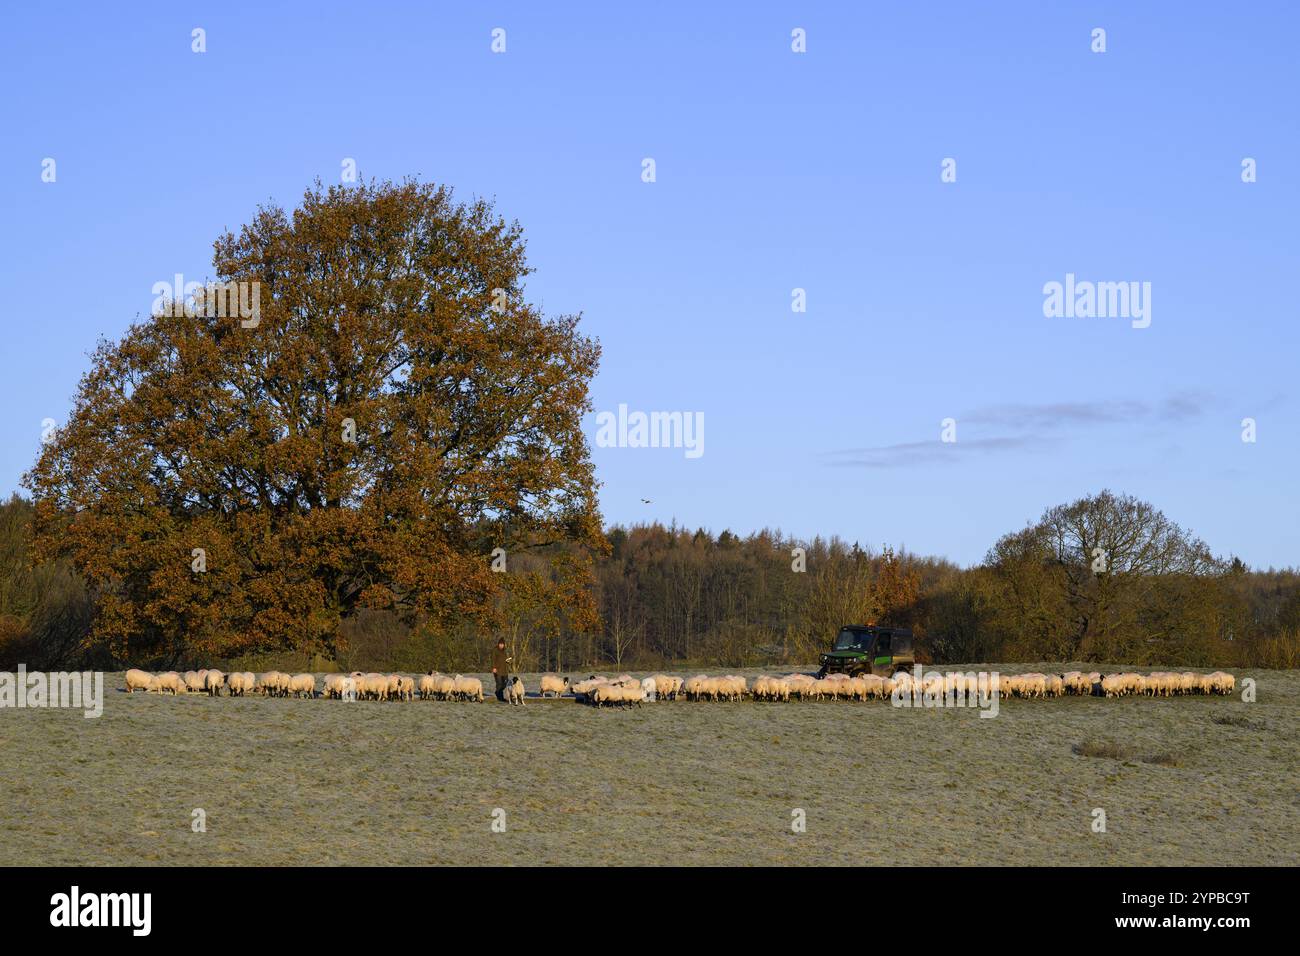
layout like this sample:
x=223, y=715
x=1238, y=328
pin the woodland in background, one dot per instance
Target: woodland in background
x=336, y=482
x=673, y=597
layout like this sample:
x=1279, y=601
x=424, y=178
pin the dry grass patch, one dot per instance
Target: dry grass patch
x=1108, y=750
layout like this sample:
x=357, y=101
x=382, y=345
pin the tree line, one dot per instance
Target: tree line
x=666, y=596
x=386, y=467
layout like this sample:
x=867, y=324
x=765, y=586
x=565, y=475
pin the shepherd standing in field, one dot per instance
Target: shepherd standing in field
x=500, y=667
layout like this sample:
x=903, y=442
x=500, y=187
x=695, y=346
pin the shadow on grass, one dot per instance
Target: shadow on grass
x=1236, y=720
x=1106, y=750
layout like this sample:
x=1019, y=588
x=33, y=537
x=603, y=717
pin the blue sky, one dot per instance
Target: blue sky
x=775, y=170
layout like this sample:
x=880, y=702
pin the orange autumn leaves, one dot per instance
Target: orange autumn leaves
x=397, y=412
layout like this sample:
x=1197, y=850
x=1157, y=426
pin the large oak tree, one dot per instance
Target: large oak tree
x=389, y=305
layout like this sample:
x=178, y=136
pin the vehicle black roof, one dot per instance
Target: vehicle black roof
x=877, y=629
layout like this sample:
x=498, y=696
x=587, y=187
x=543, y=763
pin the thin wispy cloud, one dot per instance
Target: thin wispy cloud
x=932, y=452
x=1027, y=422
x=1180, y=407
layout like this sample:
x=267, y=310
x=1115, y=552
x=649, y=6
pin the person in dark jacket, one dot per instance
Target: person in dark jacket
x=501, y=668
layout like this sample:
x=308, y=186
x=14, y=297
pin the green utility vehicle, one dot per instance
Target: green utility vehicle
x=868, y=649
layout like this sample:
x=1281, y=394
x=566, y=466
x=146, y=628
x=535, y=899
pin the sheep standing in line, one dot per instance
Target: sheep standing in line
x=468, y=688
x=800, y=685
x=214, y=680
x=171, y=683
x=137, y=680
x=194, y=681
x=618, y=693
x=375, y=686
x=1222, y=683
x=875, y=686
x=770, y=688
x=235, y=684
x=1076, y=682
x=272, y=684
x=1112, y=685
x=553, y=686
x=302, y=685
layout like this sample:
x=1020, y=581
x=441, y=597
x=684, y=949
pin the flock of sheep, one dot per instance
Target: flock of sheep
x=354, y=686
x=625, y=690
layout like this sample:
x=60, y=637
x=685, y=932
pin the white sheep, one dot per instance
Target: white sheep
x=665, y=686
x=1222, y=683
x=171, y=683
x=137, y=680
x=553, y=686
x=213, y=681
x=468, y=688
x=1112, y=685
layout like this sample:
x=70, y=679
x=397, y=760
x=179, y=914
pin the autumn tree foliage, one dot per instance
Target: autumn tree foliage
x=395, y=412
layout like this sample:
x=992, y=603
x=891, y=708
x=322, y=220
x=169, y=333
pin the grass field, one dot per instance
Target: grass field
x=1192, y=780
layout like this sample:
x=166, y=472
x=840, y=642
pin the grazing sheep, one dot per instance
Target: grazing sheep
x=332, y=688
x=302, y=685
x=1032, y=684
x=427, y=686
x=193, y=681
x=273, y=684
x=553, y=686
x=1076, y=682
x=1222, y=683
x=468, y=688
x=1112, y=685
x=137, y=680
x=235, y=684
x=771, y=688
x=821, y=689
x=376, y=686
x=171, y=683
x=618, y=693
x=214, y=680
x=665, y=686
x=734, y=687
x=800, y=685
